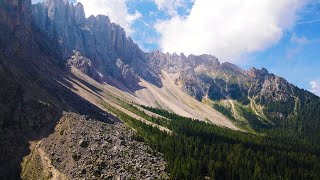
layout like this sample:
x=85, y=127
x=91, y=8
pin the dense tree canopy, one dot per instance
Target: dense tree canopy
x=197, y=150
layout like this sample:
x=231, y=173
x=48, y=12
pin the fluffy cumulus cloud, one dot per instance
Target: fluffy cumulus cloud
x=117, y=11
x=315, y=87
x=228, y=28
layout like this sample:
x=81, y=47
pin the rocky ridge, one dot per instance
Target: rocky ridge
x=201, y=75
x=246, y=94
x=97, y=39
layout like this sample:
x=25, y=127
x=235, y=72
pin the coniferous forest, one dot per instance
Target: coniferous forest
x=197, y=150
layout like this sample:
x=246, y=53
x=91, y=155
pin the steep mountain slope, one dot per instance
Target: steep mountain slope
x=169, y=96
x=172, y=98
x=36, y=92
x=253, y=99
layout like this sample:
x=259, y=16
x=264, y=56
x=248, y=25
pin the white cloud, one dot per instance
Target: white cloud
x=117, y=11
x=171, y=6
x=315, y=87
x=228, y=28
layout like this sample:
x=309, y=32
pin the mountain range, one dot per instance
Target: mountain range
x=71, y=88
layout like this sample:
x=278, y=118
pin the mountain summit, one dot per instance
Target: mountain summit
x=115, y=58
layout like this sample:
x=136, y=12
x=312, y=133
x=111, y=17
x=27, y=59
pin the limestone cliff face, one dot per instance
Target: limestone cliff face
x=96, y=38
x=16, y=13
x=15, y=23
x=174, y=63
x=203, y=75
x=255, y=89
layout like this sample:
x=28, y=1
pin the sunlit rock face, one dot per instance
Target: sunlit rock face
x=97, y=39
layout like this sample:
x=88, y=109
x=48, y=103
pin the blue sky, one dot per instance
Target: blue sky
x=296, y=56
x=282, y=36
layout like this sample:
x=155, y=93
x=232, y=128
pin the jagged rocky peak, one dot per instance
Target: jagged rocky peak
x=205, y=59
x=174, y=63
x=226, y=66
x=182, y=55
x=96, y=38
x=56, y=8
x=99, y=21
x=80, y=16
x=118, y=38
x=92, y=36
x=257, y=73
x=53, y=16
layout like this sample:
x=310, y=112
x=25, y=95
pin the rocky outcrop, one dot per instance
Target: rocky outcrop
x=96, y=38
x=84, y=65
x=256, y=73
x=174, y=63
x=231, y=68
x=81, y=63
x=273, y=88
x=80, y=17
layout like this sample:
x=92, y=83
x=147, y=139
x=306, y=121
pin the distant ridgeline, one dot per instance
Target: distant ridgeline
x=253, y=99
